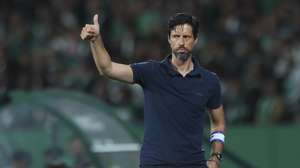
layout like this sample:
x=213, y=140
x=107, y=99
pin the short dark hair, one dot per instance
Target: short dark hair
x=183, y=18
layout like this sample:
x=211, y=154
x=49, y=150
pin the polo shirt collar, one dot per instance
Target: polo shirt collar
x=197, y=69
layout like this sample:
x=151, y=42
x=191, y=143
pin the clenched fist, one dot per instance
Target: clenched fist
x=91, y=31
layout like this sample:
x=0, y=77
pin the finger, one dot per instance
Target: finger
x=83, y=31
x=88, y=28
x=88, y=25
x=91, y=30
x=212, y=164
x=209, y=164
x=96, y=19
x=88, y=35
x=83, y=35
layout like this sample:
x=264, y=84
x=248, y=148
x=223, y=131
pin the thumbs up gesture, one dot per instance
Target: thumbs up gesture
x=91, y=31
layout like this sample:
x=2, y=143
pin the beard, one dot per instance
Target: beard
x=182, y=56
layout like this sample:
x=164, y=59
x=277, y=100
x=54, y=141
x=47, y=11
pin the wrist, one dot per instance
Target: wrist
x=216, y=156
x=95, y=39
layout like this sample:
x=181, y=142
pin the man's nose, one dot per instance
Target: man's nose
x=181, y=41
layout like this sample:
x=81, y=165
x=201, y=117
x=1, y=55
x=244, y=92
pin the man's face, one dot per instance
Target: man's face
x=182, y=41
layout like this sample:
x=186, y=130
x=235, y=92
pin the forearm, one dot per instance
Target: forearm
x=100, y=56
x=215, y=154
x=217, y=120
x=219, y=126
x=217, y=146
x=217, y=132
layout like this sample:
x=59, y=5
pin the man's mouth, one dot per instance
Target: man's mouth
x=182, y=50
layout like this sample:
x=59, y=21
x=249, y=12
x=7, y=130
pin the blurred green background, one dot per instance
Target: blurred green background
x=77, y=129
x=55, y=108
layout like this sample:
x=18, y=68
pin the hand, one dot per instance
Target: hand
x=91, y=31
x=212, y=164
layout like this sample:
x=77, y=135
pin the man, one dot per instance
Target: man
x=177, y=91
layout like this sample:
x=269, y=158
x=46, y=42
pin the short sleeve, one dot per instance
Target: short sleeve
x=215, y=99
x=142, y=72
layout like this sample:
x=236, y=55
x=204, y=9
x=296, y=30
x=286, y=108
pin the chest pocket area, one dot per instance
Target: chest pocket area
x=196, y=102
x=196, y=99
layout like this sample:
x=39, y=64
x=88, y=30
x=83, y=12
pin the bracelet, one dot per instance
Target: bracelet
x=217, y=136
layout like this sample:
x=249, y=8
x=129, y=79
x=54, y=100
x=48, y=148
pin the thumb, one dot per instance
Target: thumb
x=96, y=19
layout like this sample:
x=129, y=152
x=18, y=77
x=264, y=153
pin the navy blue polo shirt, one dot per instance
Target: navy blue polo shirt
x=173, y=112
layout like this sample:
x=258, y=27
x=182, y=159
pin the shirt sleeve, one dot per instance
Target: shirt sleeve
x=142, y=72
x=215, y=99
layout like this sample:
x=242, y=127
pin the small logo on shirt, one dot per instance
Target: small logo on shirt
x=199, y=93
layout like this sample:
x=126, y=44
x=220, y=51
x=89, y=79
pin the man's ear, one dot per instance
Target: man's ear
x=196, y=40
x=169, y=40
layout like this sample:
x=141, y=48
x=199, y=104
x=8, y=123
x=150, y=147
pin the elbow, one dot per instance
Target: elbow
x=105, y=72
x=100, y=73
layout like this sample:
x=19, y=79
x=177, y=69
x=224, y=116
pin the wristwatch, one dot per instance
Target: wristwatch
x=217, y=155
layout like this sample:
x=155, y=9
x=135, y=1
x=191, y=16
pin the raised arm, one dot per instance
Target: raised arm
x=121, y=72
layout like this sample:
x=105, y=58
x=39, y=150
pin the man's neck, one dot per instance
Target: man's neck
x=182, y=67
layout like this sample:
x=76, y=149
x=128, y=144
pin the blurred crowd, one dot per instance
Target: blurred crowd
x=52, y=157
x=254, y=47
